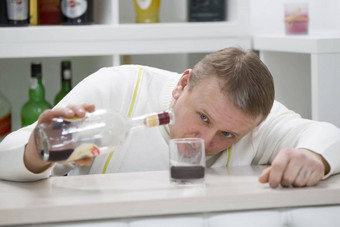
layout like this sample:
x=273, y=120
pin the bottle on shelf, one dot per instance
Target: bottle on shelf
x=34, y=17
x=76, y=12
x=147, y=11
x=97, y=133
x=5, y=116
x=49, y=12
x=3, y=14
x=66, y=81
x=206, y=10
x=36, y=103
x=18, y=12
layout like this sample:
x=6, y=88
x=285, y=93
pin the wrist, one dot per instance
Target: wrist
x=324, y=162
x=32, y=161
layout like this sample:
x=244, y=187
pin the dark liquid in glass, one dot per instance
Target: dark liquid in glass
x=59, y=155
x=187, y=172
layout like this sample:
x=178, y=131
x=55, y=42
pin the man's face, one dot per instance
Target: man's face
x=206, y=113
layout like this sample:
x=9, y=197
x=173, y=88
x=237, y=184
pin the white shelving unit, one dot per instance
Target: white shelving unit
x=110, y=37
x=306, y=71
x=169, y=44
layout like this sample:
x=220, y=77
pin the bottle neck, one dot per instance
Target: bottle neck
x=154, y=119
x=66, y=76
x=66, y=85
x=36, y=91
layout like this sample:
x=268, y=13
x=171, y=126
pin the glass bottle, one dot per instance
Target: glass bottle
x=49, y=12
x=36, y=103
x=147, y=11
x=3, y=14
x=66, y=83
x=5, y=116
x=76, y=12
x=18, y=12
x=34, y=17
x=97, y=133
x=206, y=10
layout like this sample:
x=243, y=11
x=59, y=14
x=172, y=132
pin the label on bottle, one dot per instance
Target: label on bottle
x=152, y=120
x=144, y=4
x=34, y=83
x=73, y=8
x=67, y=74
x=84, y=150
x=17, y=9
x=5, y=125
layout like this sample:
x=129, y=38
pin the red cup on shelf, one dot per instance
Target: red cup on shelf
x=296, y=18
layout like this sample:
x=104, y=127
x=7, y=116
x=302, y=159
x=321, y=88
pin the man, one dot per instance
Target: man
x=227, y=99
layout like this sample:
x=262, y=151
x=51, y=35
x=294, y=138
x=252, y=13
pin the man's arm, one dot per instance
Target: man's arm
x=301, y=152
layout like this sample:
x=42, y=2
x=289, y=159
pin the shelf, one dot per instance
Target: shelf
x=307, y=65
x=315, y=42
x=94, y=40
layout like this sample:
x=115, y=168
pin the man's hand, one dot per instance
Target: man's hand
x=295, y=167
x=31, y=157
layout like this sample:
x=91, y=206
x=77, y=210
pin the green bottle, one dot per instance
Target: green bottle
x=66, y=81
x=36, y=103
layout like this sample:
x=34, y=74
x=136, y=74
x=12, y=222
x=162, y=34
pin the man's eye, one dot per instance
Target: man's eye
x=203, y=117
x=227, y=134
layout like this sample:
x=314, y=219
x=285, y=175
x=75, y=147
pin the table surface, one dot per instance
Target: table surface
x=123, y=195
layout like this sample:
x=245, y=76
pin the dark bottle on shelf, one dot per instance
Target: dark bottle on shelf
x=76, y=12
x=18, y=12
x=206, y=10
x=49, y=12
x=3, y=14
x=66, y=81
x=36, y=103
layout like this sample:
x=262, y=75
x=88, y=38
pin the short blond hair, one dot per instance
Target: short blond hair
x=245, y=79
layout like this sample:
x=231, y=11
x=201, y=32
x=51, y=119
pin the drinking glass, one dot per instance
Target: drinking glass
x=296, y=18
x=187, y=160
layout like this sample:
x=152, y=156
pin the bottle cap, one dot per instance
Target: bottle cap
x=167, y=117
x=36, y=69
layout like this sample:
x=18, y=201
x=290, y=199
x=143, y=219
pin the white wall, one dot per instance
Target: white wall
x=291, y=88
x=267, y=15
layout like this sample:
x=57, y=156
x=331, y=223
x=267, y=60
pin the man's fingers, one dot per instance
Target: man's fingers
x=265, y=175
x=291, y=172
x=294, y=167
x=84, y=161
x=69, y=111
x=314, y=178
x=278, y=167
x=302, y=178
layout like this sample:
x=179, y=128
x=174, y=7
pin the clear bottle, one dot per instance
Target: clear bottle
x=36, y=103
x=66, y=81
x=5, y=116
x=97, y=133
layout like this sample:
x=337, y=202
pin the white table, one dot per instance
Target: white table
x=148, y=197
x=306, y=71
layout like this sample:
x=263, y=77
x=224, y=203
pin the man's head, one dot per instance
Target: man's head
x=226, y=95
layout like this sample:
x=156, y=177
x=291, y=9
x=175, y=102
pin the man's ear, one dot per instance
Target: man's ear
x=182, y=83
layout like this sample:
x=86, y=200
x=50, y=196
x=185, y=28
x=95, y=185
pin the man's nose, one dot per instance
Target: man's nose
x=208, y=136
